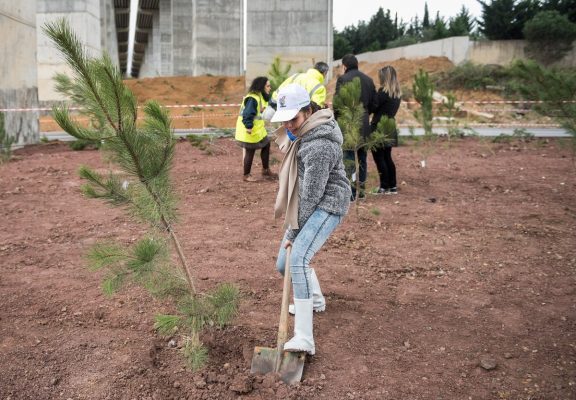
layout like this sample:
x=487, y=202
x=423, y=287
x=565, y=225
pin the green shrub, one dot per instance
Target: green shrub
x=549, y=35
x=472, y=76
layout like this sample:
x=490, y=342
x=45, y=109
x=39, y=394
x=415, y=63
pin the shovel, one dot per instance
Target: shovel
x=288, y=364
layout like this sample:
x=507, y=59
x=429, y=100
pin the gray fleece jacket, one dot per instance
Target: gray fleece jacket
x=322, y=182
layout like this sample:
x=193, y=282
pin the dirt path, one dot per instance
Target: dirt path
x=461, y=287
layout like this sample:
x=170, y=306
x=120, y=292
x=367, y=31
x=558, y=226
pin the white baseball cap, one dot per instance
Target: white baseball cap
x=291, y=98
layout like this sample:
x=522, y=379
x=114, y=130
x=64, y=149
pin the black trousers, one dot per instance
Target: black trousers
x=249, y=157
x=385, y=166
x=351, y=169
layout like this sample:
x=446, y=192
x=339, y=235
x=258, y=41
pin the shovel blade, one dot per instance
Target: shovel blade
x=291, y=365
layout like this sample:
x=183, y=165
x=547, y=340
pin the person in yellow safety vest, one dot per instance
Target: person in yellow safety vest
x=311, y=80
x=251, y=133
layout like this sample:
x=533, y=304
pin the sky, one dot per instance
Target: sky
x=350, y=12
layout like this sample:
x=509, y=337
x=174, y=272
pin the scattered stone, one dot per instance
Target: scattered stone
x=55, y=381
x=241, y=384
x=488, y=363
x=199, y=382
x=269, y=381
x=508, y=356
x=176, y=384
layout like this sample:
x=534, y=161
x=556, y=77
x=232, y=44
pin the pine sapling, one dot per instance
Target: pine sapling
x=349, y=109
x=423, y=90
x=350, y=112
x=140, y=184
x=278, y=73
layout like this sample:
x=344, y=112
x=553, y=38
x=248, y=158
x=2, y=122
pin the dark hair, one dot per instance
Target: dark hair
x=258, y=85
x=312, y=107
x=350, y=61
x=322, y=67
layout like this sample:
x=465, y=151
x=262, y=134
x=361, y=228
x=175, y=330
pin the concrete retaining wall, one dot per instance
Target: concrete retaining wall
x=18, y=79
x=460, y=49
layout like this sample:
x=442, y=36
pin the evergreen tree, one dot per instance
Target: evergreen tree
x=341, y=46
x=144, y=154
x=550, y=36
x=564, y=7
x=350, y=110
x=505, y=19
x=278, y=73
x=439, y=29
x=426, y=20
x=381, y=29
x=423, y=89
x=462, y=24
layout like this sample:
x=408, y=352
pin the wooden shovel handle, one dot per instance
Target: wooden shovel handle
x=283, y=325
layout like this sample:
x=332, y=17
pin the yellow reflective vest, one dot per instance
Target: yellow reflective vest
x=258, y=130
x=311, y=80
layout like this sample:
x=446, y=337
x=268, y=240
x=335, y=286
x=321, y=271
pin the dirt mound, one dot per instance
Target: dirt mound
x=405, y=68
x=181, y=90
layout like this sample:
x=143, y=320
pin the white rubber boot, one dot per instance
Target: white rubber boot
x=303, y=339
x=318, y=299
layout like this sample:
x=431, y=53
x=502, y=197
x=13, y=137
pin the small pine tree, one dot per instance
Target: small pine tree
x=144, y=155
x=350, y=111
x=278, y=73
x=423, y=90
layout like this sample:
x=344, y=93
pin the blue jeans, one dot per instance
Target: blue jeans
x=309, y=240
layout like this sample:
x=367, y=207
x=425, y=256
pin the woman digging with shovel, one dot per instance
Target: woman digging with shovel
x=314, y=193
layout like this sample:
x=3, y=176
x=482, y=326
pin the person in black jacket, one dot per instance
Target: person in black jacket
x=368, y=91
x=386, y=103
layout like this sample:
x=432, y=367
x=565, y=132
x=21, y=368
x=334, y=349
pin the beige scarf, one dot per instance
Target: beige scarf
x=288, y=196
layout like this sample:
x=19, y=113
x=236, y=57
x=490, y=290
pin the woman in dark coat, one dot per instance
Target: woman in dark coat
x=386, y=103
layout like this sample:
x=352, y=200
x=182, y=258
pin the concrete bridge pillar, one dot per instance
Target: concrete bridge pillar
x=297, y=31
x=18, y=79
x=91, y=20
x=194, y=37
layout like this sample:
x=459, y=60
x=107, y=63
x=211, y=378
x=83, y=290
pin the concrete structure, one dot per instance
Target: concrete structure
x=190, y=37
x=298, y=31
x=92, y=22
x=461, y=48
x=18, y=79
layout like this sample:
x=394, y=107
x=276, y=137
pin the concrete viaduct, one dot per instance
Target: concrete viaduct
x=172, y=38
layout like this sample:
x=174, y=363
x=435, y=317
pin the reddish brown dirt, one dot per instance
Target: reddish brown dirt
x=471, y=266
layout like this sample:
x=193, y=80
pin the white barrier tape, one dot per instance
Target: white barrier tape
x=238, y=105
x=205, y=116
x=485, y=125
x=81, y=108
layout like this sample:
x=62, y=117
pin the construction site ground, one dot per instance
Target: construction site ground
x=462, y=286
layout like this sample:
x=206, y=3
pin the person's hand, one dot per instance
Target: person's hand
x=287, y=244
x=249, y=131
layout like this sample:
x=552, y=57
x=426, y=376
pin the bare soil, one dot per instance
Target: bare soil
x=460, y=287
